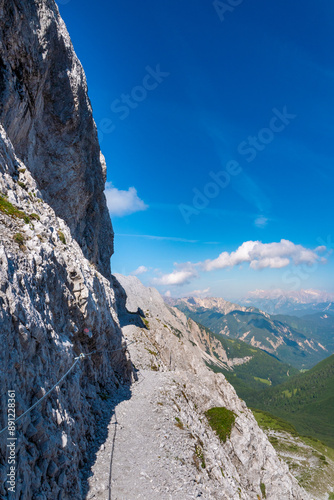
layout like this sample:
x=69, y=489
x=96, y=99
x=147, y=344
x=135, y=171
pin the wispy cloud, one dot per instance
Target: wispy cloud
x=261, y=221
x=139, y=270
x=121, y=202
x=158, y=238
x=250, y=191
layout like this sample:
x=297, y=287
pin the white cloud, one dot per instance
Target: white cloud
x=261, y=255
x=261, y=221
x=139, y=270
x=168, y=294
x=180, y=276
x=257, y=254
x=121, y=202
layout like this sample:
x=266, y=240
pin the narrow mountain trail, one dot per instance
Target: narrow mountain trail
x=145, y=456
x=155, y=439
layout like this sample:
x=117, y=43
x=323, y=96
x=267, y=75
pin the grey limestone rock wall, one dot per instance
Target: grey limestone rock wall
x=54, y=304
x=46, y=112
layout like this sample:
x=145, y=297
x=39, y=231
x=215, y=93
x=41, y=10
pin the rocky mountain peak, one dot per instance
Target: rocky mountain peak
x=217, y=304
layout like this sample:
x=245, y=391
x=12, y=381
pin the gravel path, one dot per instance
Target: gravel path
x=145, y=456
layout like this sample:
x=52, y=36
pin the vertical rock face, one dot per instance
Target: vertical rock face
x=47, y=115
x=54, y=305
x=55, y=244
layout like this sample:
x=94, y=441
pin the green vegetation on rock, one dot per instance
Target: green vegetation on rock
x=179, y=423
x=200, y=456
x=221, y=421
x=147, y=324
x=20, y=239
x=309, y=460
x=9, y=209
x=263, y=490
x=61, y=236
x=22, y=185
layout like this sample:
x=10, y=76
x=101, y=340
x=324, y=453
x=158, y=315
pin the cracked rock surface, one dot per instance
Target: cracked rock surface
x=54, y=304
x=46, y=112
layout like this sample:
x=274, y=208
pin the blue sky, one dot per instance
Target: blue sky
x=216, y=124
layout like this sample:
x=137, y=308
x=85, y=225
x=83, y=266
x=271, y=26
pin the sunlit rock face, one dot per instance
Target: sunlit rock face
x=46, y=112
x=54, y=305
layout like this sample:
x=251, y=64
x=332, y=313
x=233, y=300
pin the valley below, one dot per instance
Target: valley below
x=293, y=405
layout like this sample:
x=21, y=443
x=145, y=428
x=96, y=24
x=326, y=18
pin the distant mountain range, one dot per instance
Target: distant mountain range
x=247, y=368
x=301, y=342
x=216, y=304
x=260, y=347
x=293, y=302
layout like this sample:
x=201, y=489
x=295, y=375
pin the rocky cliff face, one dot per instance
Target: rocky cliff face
x=55, y=245
x=53, y=305
x=46, y=112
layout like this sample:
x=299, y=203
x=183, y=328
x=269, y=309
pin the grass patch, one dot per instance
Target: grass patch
x=61, y=236
x=153, y=353
x=34, y=217
x=221, y=421
x=9, y=209
x=263, y=380
x=263, y=490
x=20, y=239
x=179, y=423
x=268, y=421
x=199, y=457
x=147, y=324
